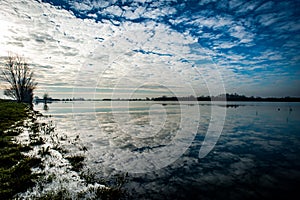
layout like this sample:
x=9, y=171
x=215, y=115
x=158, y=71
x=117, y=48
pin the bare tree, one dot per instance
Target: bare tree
x=20, y=79
x=46, y=97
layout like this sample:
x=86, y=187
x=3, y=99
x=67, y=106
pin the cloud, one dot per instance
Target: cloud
x=247, y=6
x=270, y=18
x=265, y=6
x=241, y=33
x=119, y=37
x=49, y=36
x=215, y=22
x=84, y=6
x=234, y=4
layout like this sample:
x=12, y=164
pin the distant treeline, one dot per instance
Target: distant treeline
x=228, y=97
x=222, y=97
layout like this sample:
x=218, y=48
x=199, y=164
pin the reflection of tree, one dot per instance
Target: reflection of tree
x=46, y=107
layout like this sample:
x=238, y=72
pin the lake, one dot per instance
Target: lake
x=188, y=150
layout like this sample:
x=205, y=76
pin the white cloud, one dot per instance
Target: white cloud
x=133, y=14
x=100, y=4
x=247, y=6
x=265, y=6
x=240, y=32
x=84, y=6
x=68, y=45
x=210, y=22
x=115, y=10
x=267, y=19
x=203, y=2
x=159, y=61
x=158, y=12
x=235, y=3
x=224, y=44
x=66, y=50
x=49, y=36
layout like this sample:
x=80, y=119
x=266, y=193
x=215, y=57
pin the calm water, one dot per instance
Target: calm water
x=257, y=155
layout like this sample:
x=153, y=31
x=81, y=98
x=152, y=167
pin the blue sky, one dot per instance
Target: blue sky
x=157, y=47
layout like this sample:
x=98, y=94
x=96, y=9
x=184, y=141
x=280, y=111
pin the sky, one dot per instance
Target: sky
x=139, y=48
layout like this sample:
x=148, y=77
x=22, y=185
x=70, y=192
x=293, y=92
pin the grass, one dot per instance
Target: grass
x=114, y=189
x=15, y=168
x=76, y=161
x=11, y=113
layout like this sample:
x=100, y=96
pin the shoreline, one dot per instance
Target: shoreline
x=36, y=162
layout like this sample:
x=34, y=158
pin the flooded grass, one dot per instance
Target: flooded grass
x=76, y=161
x=15, y=167
x=35, y=164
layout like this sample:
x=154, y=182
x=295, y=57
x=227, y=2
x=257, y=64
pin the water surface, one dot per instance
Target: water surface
x=257, y=155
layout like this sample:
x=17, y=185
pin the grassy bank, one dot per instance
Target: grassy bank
x=57, y=160
x=10, y=113
x=15, y=168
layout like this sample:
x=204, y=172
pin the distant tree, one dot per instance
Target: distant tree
x=20, y=79
x=46, y=97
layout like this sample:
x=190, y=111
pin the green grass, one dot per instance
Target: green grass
x=11, y=113
x=15, y=168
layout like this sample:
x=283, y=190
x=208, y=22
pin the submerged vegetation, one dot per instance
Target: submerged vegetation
x=35, y=164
